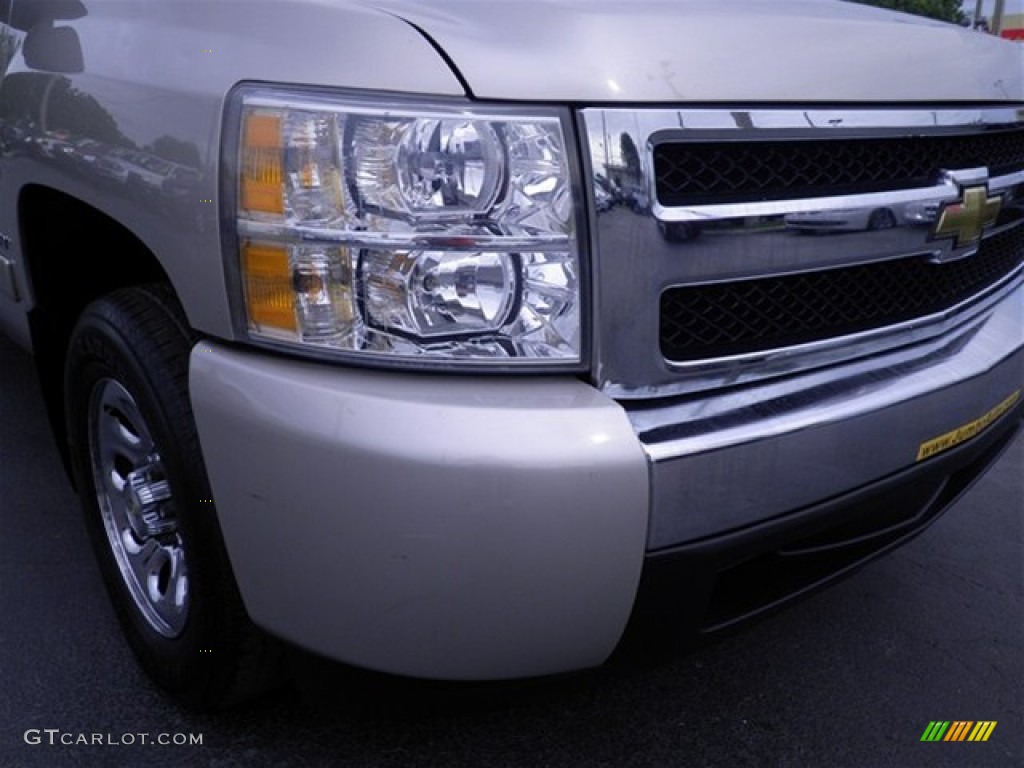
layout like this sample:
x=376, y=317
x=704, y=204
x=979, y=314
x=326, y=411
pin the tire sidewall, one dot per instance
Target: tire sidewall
x=105, y=346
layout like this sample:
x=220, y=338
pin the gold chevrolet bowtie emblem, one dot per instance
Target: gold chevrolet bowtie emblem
x=965, y=219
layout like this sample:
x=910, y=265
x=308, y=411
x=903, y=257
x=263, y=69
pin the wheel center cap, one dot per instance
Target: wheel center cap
x=144, y=498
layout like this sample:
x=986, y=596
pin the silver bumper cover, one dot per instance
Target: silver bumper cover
x=429, y=526
x=492, y=528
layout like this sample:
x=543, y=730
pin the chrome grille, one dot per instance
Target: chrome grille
x=703, y=172
x=739, y=317
x=736, y=246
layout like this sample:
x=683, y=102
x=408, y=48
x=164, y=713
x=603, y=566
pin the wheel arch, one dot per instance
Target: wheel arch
x=73, y=254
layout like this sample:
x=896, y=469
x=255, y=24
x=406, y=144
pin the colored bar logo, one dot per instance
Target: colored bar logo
x=958, y=730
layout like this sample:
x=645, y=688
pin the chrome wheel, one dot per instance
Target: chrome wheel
x=147, y=503
x=137, y=508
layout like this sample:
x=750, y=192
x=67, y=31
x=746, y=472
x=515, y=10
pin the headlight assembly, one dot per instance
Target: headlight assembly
x=397, y=230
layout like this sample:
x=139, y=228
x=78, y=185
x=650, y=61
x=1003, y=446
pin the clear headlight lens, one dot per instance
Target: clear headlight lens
x=441, y=169
x=440, y=233
x=433, y=293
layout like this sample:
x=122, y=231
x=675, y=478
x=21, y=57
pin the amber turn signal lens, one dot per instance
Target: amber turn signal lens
x=262, y=176
x=269, y=294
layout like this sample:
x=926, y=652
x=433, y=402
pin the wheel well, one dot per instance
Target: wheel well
x=74, y=254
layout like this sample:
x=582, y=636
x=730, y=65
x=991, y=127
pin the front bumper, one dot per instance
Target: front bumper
x=738, y=576
x=428, y=526
x=491, y=528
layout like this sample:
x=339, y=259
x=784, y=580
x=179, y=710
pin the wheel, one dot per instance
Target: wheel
x=881, y=218
x=147, y=501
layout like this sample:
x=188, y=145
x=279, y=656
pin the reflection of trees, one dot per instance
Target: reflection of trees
x=630, y=155
x=177, y=151
x=30, y=95
x=944, y=10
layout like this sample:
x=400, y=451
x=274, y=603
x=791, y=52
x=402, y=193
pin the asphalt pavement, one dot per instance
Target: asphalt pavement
x=851, y=677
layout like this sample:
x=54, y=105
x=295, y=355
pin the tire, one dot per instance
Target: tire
x=147, y=502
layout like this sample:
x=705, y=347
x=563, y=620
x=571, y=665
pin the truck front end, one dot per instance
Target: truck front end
x=575, y=353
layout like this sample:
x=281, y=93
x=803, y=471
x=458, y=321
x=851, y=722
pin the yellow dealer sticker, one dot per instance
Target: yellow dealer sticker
x=961, y=434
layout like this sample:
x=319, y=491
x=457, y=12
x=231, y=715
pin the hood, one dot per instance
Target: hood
x=712, y=51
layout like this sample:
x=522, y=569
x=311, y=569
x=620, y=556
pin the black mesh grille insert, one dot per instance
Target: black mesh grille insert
x=709, y=321
x=705, y=172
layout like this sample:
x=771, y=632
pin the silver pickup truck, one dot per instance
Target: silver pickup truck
x=456, y=339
